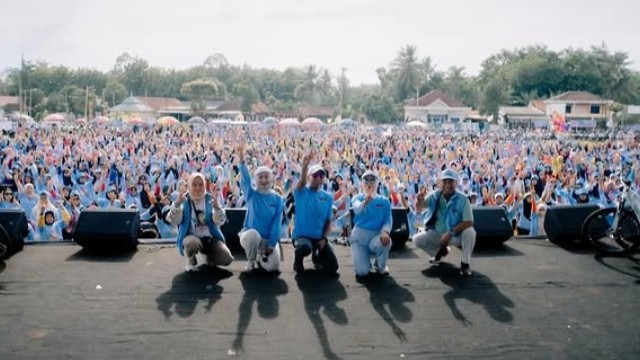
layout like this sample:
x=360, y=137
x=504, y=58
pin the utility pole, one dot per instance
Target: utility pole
x=344, y=72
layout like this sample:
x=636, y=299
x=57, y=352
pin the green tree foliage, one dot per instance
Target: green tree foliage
x=380, y=108
x=199, y=91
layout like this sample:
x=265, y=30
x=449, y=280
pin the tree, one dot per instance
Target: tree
x=379, y=108
x=247, y=94
x=199, y=91
x=495, y=94
x=114, y=92
x=308, y=89
x=406, y=73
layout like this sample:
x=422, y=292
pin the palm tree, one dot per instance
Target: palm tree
x=406, y=71
x=309, y=87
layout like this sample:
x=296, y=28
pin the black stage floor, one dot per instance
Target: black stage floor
x=527, y=300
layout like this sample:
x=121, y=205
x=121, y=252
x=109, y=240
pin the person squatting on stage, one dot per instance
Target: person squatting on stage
x=260, y=234
x=370, y=235
x=449, y=220
x=199, y=216
x=313, y=214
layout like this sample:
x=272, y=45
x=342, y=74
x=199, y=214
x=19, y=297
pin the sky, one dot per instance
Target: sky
x=359, y=35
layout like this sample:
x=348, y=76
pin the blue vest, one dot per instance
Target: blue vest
x=185, y=224
x=453, y=212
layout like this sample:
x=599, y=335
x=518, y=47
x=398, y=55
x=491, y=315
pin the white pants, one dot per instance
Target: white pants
x=254, y=247
x=429, y=241
x=364, y=245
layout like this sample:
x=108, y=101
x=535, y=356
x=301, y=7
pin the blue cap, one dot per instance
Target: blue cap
x=449, y=174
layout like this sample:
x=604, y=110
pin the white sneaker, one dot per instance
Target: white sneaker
x=190, y=265
x=384, y=271
x=251, y=265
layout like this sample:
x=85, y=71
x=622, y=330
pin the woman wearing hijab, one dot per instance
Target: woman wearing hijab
x=527, y=214
x=370, y=235
x=199, y=216
x=260, y=234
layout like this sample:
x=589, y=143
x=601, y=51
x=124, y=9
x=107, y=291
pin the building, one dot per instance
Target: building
x=580, y=109
x=436, y=109
x=522, y=117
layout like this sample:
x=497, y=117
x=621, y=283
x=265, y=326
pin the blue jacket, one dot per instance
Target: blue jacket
x=185, y=223
x=453, y=212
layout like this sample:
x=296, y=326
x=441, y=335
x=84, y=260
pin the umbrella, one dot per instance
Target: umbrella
x=312, y=121
x=416, y=123
x=348, y=122
x=168, y=121
x=20, y=117
x=135, y=121
x=196, y=120
x=289, y=121
x=270, y=120
x=53, y=118
x=101, y=119
x=81, y=120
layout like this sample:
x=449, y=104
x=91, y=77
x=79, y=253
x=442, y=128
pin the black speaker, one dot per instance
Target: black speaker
x=400, y=228
x=13, y=230
x=231, y=228
x=110, y=230
x=492, y=226
x=563, y=223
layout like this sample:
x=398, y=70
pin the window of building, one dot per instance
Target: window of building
x=567, y=109
x=455, y=119
x=595, y=109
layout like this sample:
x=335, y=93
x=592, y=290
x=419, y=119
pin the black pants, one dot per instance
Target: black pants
x=325, y=260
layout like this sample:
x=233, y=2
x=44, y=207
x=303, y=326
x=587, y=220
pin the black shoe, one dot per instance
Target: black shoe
x=465, y=269
x=298, y=267
x=439, y=255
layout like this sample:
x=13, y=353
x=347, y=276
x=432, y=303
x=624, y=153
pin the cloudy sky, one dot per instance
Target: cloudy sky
x=360, y=35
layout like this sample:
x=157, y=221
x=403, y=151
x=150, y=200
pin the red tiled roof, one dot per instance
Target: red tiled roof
x=435, y=95
x=307, y=110
x=159, y=103
x=7, y=100
x=577, y=96
x=538, y=104
x=234, y=105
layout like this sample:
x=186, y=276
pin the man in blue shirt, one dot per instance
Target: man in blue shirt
x=370, y=234
x=449, y=220
x=313, y=213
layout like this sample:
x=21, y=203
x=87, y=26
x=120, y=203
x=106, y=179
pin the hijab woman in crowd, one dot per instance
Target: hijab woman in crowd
x=260, y=234
x=199, y=216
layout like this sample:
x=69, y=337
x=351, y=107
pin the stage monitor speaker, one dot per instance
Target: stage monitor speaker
x=563, y=223
x=231, y=228
x=113, y=230
x=13, y=230
x=492, y=225
x=400, y=228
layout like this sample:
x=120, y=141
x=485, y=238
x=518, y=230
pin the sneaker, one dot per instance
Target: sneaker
x=191, y=264
x=384, y=271
x=298, y=267
x=465, y=269
x=440, y=255
x=251, y=265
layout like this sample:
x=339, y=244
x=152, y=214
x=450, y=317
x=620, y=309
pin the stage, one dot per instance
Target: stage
x=528, y=299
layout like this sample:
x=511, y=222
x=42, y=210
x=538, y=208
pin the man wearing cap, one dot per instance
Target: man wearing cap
x=313, y=214
x=449, y=220
x=370, y=235
x=260, y=234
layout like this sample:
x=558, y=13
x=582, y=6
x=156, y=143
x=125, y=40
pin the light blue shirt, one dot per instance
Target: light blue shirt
x=264, y=210
x=313, y=211
x=374, y=216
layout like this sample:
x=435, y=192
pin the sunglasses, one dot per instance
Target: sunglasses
x=370, y=180
x=318, y=175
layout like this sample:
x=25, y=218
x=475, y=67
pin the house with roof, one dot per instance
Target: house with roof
x=522, y=117
x=581, y=109
x=9, y=104
x=436, y=109
x=132, y=107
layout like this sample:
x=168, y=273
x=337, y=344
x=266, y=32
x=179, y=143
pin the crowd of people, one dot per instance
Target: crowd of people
x=308, y=184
